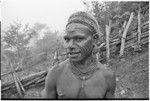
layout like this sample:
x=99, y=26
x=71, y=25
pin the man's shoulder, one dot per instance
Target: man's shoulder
x=52, y=76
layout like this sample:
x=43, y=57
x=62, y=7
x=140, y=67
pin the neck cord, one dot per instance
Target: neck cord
x=84, y=75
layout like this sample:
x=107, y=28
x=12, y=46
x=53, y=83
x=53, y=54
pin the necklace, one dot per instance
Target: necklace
x=83, y=76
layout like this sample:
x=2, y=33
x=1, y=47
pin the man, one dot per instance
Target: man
x=80, y=76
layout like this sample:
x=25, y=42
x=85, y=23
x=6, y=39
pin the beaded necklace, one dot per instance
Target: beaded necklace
x=83, y=76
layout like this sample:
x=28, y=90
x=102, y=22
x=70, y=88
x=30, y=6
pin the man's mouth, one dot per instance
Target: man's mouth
x=73, y=54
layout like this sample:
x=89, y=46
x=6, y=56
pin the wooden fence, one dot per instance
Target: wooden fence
x=38, y=78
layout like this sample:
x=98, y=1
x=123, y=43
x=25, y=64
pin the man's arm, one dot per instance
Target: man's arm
x=111, y=80
x=50, y=85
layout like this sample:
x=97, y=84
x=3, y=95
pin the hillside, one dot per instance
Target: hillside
x=131, y=76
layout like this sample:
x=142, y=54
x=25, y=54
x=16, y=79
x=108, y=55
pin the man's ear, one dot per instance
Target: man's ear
x=95, y=36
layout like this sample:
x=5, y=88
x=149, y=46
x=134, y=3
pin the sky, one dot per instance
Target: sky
x=54, y=13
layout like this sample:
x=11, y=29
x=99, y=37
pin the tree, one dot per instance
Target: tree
x=15, y=40
x=48, y=45
x=118, y=13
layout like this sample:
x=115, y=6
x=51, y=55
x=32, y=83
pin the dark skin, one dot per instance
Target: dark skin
x=62, y=83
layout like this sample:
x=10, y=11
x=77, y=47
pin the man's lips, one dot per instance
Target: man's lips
x=73, y=54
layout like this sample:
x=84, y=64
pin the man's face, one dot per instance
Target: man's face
x=79, y=45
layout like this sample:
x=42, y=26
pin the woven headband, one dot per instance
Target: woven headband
x=84, y=19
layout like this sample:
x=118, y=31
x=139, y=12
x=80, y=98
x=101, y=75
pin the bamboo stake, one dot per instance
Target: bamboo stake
x=124, y=25
x=56, y=60
x=139, y=26
x=108, y=28
x=124, y=34
x=18, y=84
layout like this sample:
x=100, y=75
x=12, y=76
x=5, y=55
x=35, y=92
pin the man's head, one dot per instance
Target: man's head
x=82, y=32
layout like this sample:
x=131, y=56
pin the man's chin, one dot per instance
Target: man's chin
x=75, y=59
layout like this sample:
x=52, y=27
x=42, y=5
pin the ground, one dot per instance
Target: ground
x=132, y=75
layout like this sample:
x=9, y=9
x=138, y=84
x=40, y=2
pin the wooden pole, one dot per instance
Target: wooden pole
x=122, y=29
x=108, y=28
x=124, y=25
x=56, y=60
x=18, y=84
x=124, y=34
x=139, y=26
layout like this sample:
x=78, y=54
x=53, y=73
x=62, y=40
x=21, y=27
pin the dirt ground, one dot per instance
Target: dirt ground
x=132, y=75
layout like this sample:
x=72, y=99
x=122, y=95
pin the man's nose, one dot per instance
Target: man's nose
x=71, y=45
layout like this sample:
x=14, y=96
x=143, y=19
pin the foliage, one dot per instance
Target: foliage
x=117, y=12
x=18, y=49
x=48, y=44
x=15, y=42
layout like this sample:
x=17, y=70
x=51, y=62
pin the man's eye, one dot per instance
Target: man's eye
x=79, y=39
x=67, y=39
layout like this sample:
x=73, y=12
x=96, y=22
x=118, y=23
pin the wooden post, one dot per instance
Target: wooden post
x=124, y=25
x=56, y=60
x=124, y=34
x=139, y=26
x=108, y=28
x=18, y=84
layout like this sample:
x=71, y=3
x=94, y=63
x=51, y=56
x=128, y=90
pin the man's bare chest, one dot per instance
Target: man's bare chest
x=70, y=86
